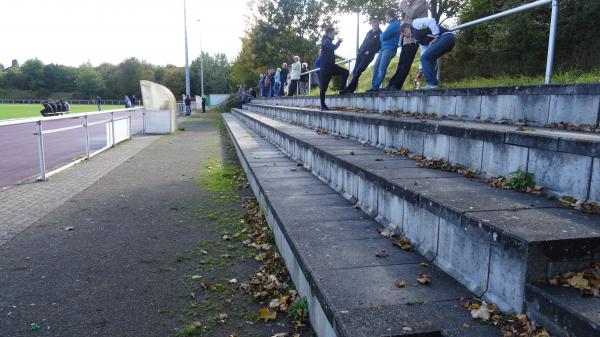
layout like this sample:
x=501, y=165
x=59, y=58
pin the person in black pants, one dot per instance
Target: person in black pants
x=328, y=66
x=283, y=75
x=366, y=53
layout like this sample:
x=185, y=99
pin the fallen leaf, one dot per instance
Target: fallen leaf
x=196, y=324
x=482, y=312
x=403, y=244
x=266, y=314
x=233, y=281
x=69, y=228
x=196, y=277
x=401, y=283
x=424, y=264
x=381, y=253
x=423, y=278
x=386, y=232
x=226, y=237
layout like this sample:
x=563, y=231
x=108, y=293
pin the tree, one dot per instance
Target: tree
x=15, y=79
x=371, y=8
x=174, y=79
x=33, y=72
x=442, y=10
x=244, y=69
x=125, y=80
x=216, y=74
x=1, y=67
x=89, y=81
x=60, y=78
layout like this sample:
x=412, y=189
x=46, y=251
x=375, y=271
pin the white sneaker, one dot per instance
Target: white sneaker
x=431, y=87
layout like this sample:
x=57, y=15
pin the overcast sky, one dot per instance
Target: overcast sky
x=73, y=32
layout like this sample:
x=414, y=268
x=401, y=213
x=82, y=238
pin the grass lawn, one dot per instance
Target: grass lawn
x=9, y=111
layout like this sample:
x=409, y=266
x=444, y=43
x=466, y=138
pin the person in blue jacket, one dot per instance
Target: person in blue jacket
x=389, y=46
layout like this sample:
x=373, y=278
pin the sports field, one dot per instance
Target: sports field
x=9, y=111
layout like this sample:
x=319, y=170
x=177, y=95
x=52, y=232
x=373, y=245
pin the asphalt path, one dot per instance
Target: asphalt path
x=19, y=155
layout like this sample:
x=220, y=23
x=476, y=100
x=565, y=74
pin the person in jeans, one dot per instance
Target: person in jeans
x=435, y=41
x=409, y=11
x=366, y=53
x=328, y=66
x=188, y=105
x=304, y=79
x=389, y=45
x=295, y=76
x=284, y=78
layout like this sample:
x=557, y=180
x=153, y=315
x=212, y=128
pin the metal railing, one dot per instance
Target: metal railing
x=44, y=127
x=535, y=4
x=349, y=61
x=71, y=101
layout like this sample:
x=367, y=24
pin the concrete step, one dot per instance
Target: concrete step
x=563, y=162
x=491, y=240
x=329, y=249
x=545, y=105
x=563, y=310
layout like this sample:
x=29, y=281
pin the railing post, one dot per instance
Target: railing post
x=41, y=155
x=129, y=126
x=87, y=138
x=112, y=126
x=551, y=42
x=309, y=83
x=143, y=121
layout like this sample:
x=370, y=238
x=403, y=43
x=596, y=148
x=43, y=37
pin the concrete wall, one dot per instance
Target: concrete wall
x=534, y=105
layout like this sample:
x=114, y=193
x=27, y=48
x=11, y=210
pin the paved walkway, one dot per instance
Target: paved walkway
x=22, y=205
x=114, y=274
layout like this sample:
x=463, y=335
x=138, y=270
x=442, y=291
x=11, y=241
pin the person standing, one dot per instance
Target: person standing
x=304, y=79
x=389, y=45
x=366, y=53
x=188, y=105
x=283, y=78
x=127, y=102
x=295, y=76
x=99, y=102
x=133, y=101
x=277, y=87
x=409, y=11
x=435, y=41
x=328, y=66
x=203, y=104
x=271, y=82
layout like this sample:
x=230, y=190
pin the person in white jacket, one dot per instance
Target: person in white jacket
x=295, y=76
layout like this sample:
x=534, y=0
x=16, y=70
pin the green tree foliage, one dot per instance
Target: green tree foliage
x=33, y=72
x=244, y=70
x=371, y=8
x=89, y=81
x=125, y=77
x=216, y=71
x=517, y=44
x=60, y=78
x=174, y=79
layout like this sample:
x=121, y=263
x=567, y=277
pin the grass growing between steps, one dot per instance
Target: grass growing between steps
x=238, y=284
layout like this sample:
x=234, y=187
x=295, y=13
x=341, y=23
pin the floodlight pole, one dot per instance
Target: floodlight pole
x=187, y=65
x=201, y=64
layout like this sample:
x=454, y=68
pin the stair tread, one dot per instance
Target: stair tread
x=335, y=245
x=509, y=214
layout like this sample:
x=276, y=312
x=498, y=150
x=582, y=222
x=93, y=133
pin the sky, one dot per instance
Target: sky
x=73, y=32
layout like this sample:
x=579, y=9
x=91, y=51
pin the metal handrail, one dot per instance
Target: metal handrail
x=17, y=121
x=535, y=4
x=318, y=69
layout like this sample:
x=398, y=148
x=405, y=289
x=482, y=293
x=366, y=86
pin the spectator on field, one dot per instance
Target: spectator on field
x=284, y=78
x=328, y=66
x=277, y=86
x=435, y=41
x=389, y=45
x=99, y=102
x=188, y=105
x=304, y=80
x=366, y=53
x=47, y=110
x=409, y=11
x=127, y=102
x=295, y=76
x=133, y=101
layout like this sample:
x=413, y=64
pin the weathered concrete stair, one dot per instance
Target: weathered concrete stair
x=491, y=240
x=544, y=105
x=329, y=249
x=563, y=162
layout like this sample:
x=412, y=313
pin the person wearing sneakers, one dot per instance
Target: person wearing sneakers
x=366, y=53
x=328, y=66
x=435, y=41
x=389, y=45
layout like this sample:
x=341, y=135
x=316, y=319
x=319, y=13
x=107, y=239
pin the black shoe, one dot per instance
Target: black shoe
x=372, y=90
x=325, y=108
x=345, y=92
x=389, y=89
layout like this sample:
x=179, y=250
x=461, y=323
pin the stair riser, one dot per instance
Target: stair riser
x=492, y=269
x=560, y=169
x=298, y=273
x=539, y=106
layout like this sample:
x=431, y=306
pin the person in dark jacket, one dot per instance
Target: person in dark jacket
x=435, y=41
x=283, y=77
x=328, y=66
x=409, y=11
x=133, y=101
x=203, y=105
x=389, y=45
x=366, y=53
x=47, y=109
x=188, y=105
x=304, y=80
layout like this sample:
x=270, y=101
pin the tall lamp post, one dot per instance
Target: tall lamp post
x=201, y=63
x=187, y=65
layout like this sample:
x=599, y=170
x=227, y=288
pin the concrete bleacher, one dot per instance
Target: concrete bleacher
x=495, y=243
